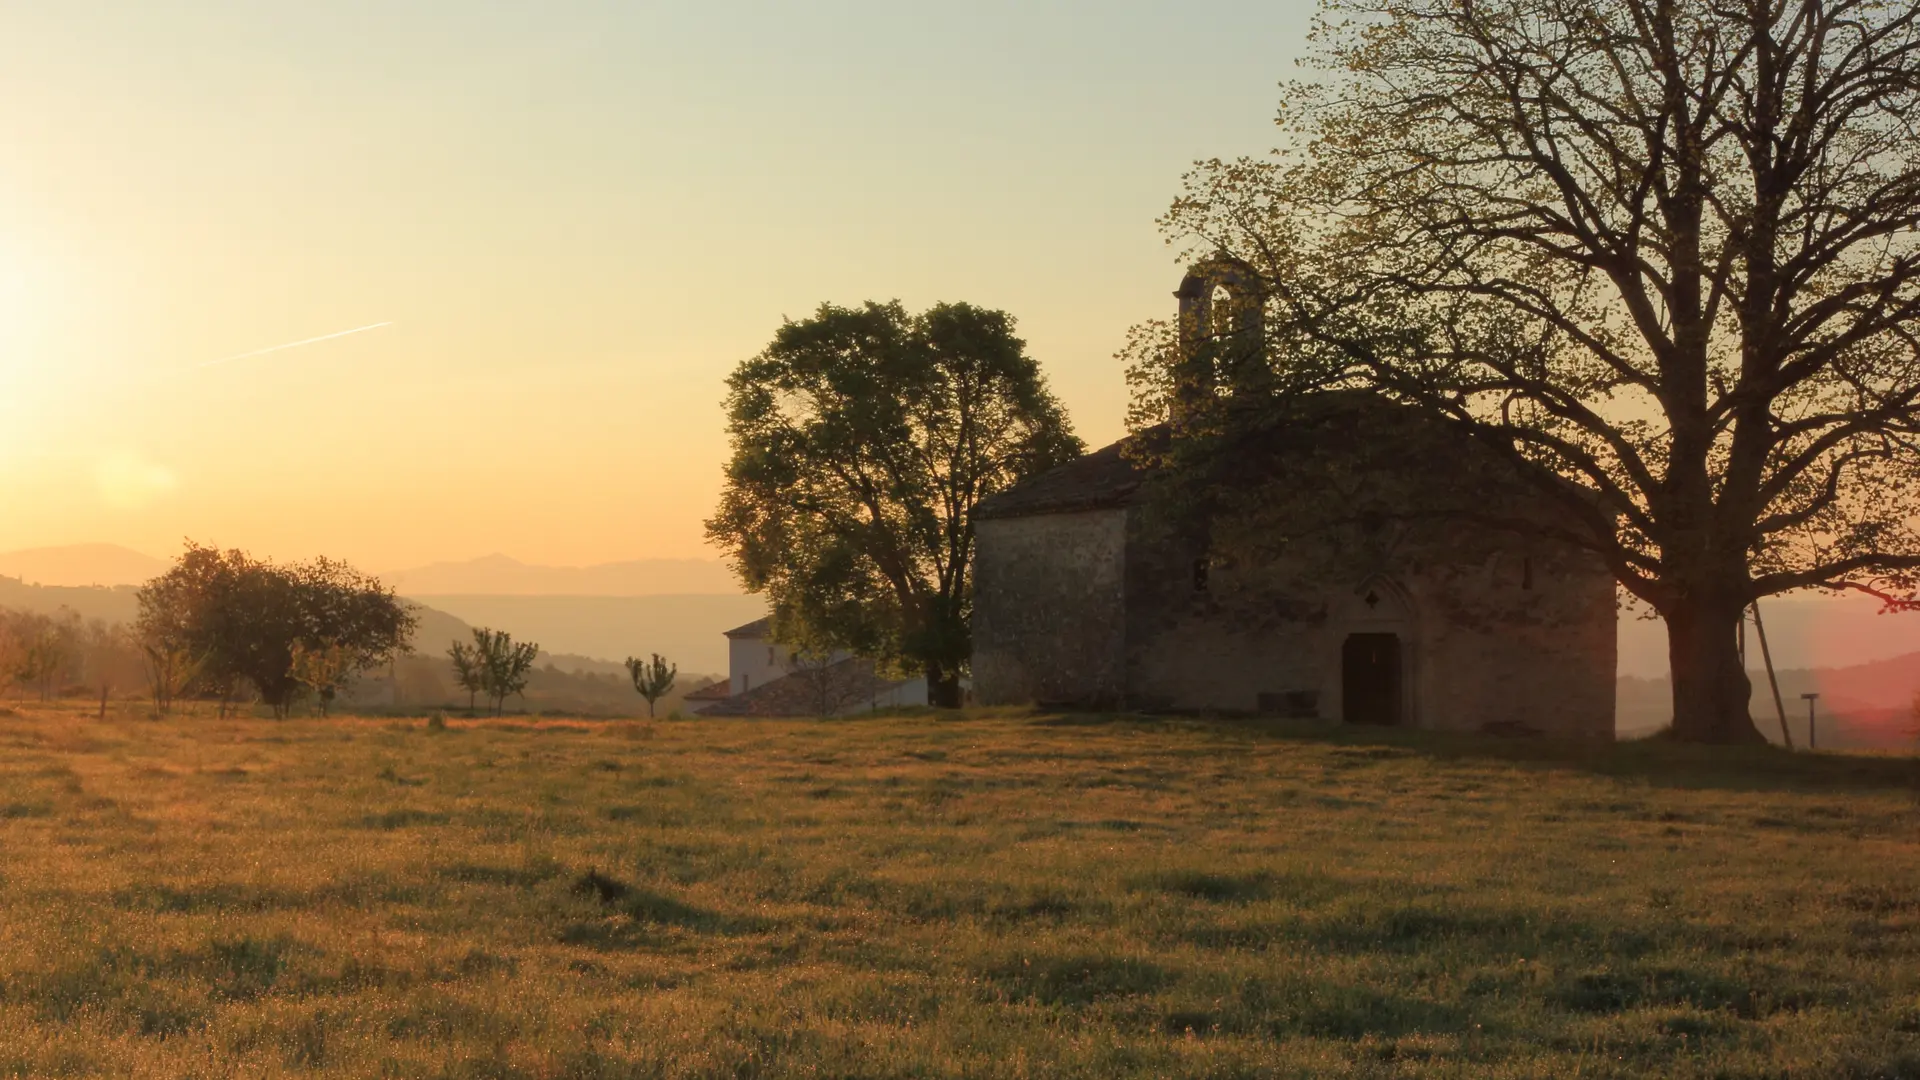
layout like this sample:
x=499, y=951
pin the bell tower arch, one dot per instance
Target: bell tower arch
x=1222, y=330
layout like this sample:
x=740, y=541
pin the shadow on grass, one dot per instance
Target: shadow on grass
x=645, y=908
x=1658, y=762
x=155, y=993
x=516, y=877
x=403, y=819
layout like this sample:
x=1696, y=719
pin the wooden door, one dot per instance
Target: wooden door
x=1370, y=679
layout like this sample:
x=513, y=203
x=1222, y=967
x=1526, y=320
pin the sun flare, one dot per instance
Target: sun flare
x=128, y=481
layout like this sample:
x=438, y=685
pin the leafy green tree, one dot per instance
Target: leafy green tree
x=862, y=440
x=652, y=679
x=1667, y=249
x=242, y=618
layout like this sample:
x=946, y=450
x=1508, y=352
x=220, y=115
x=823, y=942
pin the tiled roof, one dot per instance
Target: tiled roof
x=757, y=629
x=1101, y=479
x=1293, y=439
x=846, y=685
x=715, y=691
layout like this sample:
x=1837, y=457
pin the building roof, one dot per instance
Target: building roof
x=718, y=690
x=1290, y=446
x=758, y=629
x=847, y=684
x=1102, y=479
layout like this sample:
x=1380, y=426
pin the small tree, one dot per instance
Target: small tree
x=112, y=658
x=652, y=680
x=504, y=663
x=169, y=669
x=321, y=669
x=469, y=669
x=41, y=662
x=49, y=649
x=10, y=653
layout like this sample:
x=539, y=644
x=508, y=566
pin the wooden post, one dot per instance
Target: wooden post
x=1813, y=740
x=1766, y=654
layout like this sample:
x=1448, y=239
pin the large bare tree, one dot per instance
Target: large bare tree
x=1666, y=248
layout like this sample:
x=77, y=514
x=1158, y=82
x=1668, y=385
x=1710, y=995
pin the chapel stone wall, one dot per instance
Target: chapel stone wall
x=1050, y=609
x=1496, y=632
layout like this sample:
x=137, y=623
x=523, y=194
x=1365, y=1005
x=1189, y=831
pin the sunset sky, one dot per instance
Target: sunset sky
x=577, y=218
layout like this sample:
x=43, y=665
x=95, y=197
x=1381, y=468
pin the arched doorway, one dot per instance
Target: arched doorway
x=1370, y=678
x=1376, y=631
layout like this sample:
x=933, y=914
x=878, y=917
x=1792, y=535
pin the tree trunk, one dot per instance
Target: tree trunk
x=1710, y=687
x=943, y=687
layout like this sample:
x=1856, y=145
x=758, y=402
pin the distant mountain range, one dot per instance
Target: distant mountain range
x=574, y=633
x=1861, y=706
x=108, y=565
x=500, y=575
x=583, y=615
x=1803, y=632
x=687, y=630
x=110, y=605
x=80, y=565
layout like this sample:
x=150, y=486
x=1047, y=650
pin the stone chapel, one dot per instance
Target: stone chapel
x=1360, y=602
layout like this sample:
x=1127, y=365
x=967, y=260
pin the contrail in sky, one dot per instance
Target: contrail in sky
x=297, y=344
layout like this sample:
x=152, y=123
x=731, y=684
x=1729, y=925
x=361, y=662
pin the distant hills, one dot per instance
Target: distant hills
x=1804, y=632
x=685, y=629
x=1860, y=706
x=112, y=605
x=676, y=626
x=500, y=575
x=676, y=607
x=77, y=565
x=585, y=617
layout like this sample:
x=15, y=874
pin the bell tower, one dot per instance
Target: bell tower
x=1222, y=332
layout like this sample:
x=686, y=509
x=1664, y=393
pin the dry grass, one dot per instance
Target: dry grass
x=988, y=896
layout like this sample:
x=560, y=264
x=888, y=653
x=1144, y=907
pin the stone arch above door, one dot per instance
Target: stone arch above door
x=1379, y=605
x=1380, y=601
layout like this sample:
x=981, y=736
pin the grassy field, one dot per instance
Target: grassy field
x=987, y=896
